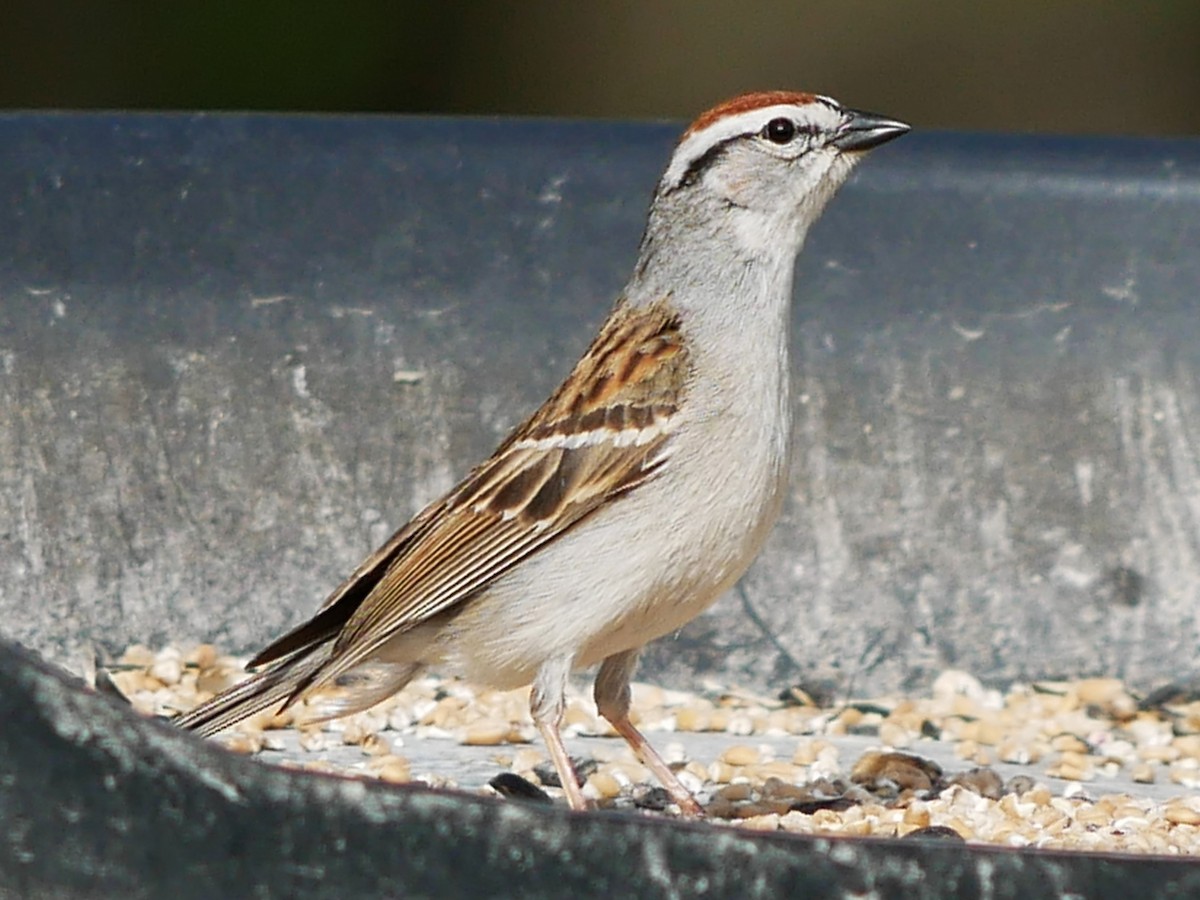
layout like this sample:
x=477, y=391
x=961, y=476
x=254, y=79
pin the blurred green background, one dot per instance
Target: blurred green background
x=1084, y=66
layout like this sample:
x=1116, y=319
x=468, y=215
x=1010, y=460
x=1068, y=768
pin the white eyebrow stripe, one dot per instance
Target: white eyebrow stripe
x=696, y=145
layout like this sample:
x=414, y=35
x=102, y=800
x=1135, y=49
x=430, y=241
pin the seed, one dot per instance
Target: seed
x=525, y=758
x=735, y=792
x=353, y=733
x=1179, y=814
x=1160, y=753
x=806, y=753
x=965, y=831
x=720, y=772
x=983, y=781
x=167, y=667
x=894, y=735
x=604, y=784
x=580, y=719
x=720, y=809
x=779, y=789
x=916, y=816
x=1070, y=772
x=312, y=740
x=687, y=719
x=244, y=743
x=485, y=733
x=375, y=744
x=394, y=769
x=952, y=683
x=718, y=720
x=761, y=822
x=849, y=718
x=740, y=755
x=1099, y=691
x=1018, y=752
x=1069, y=743
x=1185, y=774
x=966, y=749
x=774, y=771
x=826, y=819
x=740, y=725
x=905, y=770
x=1188, y=745
x=630, y=772
x=202, y=656
x=1092, y=815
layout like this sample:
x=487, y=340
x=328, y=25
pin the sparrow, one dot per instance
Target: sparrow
x=637, y=493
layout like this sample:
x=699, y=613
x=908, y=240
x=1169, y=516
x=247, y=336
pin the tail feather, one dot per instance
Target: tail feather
x=261, y=691
x=360, y=688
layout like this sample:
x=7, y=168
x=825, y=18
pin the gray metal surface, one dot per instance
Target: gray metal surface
x=236, y=352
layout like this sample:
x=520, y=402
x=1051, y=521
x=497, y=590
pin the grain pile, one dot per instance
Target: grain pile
x=1079, y=765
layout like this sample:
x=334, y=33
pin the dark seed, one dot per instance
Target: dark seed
x=982, y=780
x=514, y=787
x=651, y=797
x=808, y=807
x=1020, y=784
x=548, y=775
x=1177, y=692
x=820, y=694
x=877, y=770
x=868, y=708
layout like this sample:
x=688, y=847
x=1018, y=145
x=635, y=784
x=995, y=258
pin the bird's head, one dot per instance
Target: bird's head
x=765, y=164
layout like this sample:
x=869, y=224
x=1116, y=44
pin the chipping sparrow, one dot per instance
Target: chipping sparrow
x=636, y=494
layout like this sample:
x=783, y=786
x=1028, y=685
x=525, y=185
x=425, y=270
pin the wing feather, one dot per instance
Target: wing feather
x=605, y=431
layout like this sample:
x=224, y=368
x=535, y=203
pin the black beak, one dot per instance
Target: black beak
x=864, y=131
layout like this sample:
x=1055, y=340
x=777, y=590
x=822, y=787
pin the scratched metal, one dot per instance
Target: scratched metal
x=237, y=351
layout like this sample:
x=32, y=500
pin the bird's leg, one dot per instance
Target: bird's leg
x=612, y=700
x=547, y=701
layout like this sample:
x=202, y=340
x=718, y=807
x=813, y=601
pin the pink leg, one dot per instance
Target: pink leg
x=612, y=699
x=546, y=703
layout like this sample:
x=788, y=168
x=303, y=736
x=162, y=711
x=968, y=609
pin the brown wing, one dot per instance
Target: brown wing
x=603, y=433
x=340, y=605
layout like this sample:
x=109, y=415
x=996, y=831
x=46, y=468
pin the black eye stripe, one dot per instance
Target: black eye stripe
x=782, y=130
x=704, y=161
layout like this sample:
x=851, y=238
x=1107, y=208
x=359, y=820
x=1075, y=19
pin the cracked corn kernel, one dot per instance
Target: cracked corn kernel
x=761, y=822
x=391, y=768
x=1143, y=773
x=741, y=755
x=604, y=784
x=486, y=733
x=1181, y=814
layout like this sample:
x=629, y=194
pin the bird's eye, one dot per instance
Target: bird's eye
x=779, y=131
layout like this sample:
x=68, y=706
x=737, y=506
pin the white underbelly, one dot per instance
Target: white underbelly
x=635, y=571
